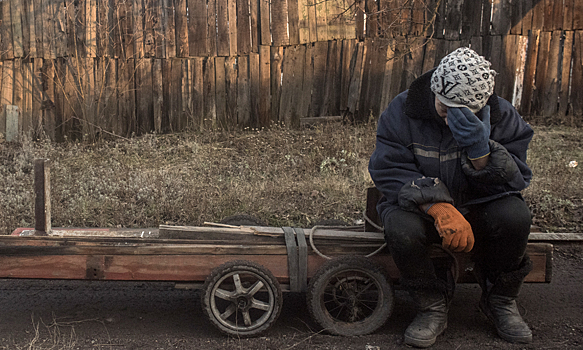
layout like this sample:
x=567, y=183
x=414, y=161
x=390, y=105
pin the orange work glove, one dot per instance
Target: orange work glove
x=452, y=227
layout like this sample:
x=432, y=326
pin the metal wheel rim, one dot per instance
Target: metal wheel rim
x=230, y=312
x=351, y=296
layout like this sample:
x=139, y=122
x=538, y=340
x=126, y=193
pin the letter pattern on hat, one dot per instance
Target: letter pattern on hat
x=463, y=79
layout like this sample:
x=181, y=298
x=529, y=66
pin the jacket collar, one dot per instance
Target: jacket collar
x=419, y=106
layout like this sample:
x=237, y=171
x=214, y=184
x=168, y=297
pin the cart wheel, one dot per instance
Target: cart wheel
x=350, y=296
x=242, y=298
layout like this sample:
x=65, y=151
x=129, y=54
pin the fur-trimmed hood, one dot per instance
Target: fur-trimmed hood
x=419, y=106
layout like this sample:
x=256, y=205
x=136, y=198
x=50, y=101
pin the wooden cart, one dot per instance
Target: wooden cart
x=346, y=273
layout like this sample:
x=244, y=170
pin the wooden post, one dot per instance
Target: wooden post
x=42, y=190
x=11, y=115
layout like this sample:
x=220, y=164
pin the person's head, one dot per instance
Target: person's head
x=462, y=79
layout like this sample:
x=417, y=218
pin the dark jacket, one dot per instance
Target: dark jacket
x=414, y=142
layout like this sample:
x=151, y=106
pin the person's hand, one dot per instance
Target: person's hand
x=469, y=131
x=451, y=225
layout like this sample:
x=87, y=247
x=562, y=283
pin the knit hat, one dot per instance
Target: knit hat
x=463, y=79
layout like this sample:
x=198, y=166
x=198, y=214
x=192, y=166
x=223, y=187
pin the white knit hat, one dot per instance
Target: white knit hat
x=463, y=79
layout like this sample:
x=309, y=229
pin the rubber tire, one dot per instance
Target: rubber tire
x=331, y=273
x=242, y=220
x=258, y=273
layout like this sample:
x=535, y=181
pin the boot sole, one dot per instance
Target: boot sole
x=508, y=337
x=423, y=343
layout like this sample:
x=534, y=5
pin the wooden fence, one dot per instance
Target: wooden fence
x=83, y=67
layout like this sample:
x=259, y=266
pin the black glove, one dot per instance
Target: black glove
x=501, y=167
x=422, y=191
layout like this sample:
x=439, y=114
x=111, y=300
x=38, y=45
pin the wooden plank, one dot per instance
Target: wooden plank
x=303, y=21
x=373, y=74
x=181, y=16
x=149, y=35
x=157, y=95
x=27, y=96
x=334, y=14
x=548, y=15
x=308, y=81
x=454, y=19
x=429, y=58
x=567, y=20
x=264, y=22
x=48, y=98
x=28, y=27
x=16, y=13
x=254, y=23
x=36, y=21
x=320, y=58
x=223, y=37
x=138, y=28
x=221, y=93
x=293, y=22
x=577, y=15
x=174, y=101
x=293, y=73
x=264, y=115
x=158, y=28
x=386, y=83
x=243, y=93
x=541, y=72
x=558, y=7
x=42, y=190
x=211, y=25
x=144, y=96
x=17, y=97
x=279, y=23
x=197, y=26
x=126, y=95
x=551, y=85
x=169, y=25
x=355, y=77
x=501, y=17
x=6, y=50
x=243, y=28
x=210, y=115
x=186, y=94
x=347, y=50
x=232, y=19
x=230, y=117
x=104, y=28
x=359, y=19
x=565, y=73
x=529, y=73
x=276, y=54
x=122, y=41
x=537, y=14
x=321, y=20
x=197, y=93
x=520, y=65
x=333, y=79
x=110, y=112
x=506, y=58
x=37, y=79
x=471, y=19
x=577, y=77
x=518, y=11
x=91, y=27
x=167, y=89
x=254, y=88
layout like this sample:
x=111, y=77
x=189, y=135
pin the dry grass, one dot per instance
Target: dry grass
x=284, y=177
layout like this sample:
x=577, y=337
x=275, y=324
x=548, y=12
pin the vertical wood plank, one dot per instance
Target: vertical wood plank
x=526, y=16
x=223, y=37
x=7, y=91
x=558, y=7
x=385, y=97
x=48, y=99
x=243, y=28
x=210, y=115
x=577, y=83
x=541, y=72
x=529, y=73
x=551, y=85
x=157, y=95
x=110, y=94
x=355, y=77
x=577, y=15
x=123, y=41
x=293, y=17
x=169, y=27
x=182, y=49
x=566, y=73
x=29, y=19
x=91, y=27
x=254, y=23
x=471, y=19
x=276, y=54
x=42, y=189
x=138, y=29
x=158, y=29
x=230, y=118
x=184, y=95
x=37, y=21
x=292, y=85
x=127, y=95
x=37, y=95
x=335, y=19
x=27, y=96
x=568, y=14
x=149, y=34
x=347, y=50
x=6, y=50
x=167, y=83
x=243, y=93
x=501, y=17
x=104, y=28
x=174, y=105
x=254, y=88
x=264, y=115
x=321, y=20
x=359, y=19
x=320, y=57
x=548, y=15
x=264, y=22
x=197, y=26
x=303, y=21
x=211, y=25
x=221, y=93
x=232, y=27
x=538, y=14
x=16, y=12
x=454, y=19
x=197, y=93
x=144, y=96
x=279, y=22
x=308, y=81
x=506, y=66
x=18, y=86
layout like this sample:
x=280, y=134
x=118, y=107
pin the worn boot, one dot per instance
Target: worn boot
x=498, y=303
x=431, y=320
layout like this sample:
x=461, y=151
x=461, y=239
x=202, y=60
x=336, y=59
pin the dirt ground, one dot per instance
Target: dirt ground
x=40, y=314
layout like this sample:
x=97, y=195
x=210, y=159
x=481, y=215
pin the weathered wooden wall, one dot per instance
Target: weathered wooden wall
x=80, y=67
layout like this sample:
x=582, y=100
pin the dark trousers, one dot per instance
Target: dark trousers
x=501, y=228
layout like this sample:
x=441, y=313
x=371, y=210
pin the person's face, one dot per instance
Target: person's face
x=441, y=109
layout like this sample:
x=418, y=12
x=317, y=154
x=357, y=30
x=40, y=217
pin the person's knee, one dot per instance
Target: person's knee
x=404, y=231
x=512, y=218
